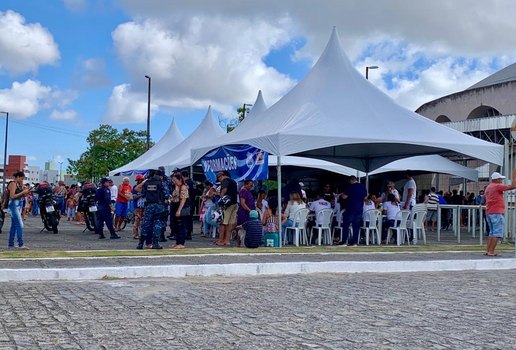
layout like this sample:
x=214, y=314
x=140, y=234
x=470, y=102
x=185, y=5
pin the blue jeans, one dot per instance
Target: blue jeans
x=61, y=205
x=287, y=223
x=35, y=207
x=14, y=207
x=351, y=216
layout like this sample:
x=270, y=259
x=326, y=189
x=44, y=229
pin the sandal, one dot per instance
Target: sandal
x=495, y=254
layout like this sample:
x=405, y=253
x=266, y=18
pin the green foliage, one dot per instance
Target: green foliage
x=233, y=123
x=108, y=149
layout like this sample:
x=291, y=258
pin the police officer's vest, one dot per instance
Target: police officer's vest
x=154, y=191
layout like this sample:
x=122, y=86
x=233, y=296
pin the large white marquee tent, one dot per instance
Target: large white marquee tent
x=171, y=139
x=335, y=114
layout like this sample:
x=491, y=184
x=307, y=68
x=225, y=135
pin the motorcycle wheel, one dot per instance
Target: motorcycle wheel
x=54, y=221
x=46, y=222
x=93, y=221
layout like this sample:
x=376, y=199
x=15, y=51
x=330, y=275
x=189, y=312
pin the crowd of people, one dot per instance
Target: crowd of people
x=227, y=212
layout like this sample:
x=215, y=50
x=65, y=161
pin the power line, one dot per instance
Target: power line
x=52, y=129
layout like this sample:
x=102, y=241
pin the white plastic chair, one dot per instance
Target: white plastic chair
x=324, y=217
x=418, y=224
x=401, y=230
x=339, y=224
x=299, y=227
x=372, y=216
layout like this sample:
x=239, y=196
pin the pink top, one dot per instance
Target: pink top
x=494, y=198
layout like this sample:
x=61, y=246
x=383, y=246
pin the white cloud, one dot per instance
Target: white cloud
x=125, y=106
x=424, y=49
x=199, y=62
x=26, y=99
x=93, y=73
x=67, y=115
x=24, y=47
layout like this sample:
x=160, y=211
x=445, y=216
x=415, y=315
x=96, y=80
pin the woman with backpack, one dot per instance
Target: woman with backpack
x=16, y=193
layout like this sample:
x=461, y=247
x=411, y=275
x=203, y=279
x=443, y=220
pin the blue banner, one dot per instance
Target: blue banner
x=242, y=162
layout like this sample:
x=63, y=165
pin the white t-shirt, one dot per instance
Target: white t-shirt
x=114, y=192
x=317, y=206
x=292, y=208
x=368, y=206
x=392, y=210
x=408, y=185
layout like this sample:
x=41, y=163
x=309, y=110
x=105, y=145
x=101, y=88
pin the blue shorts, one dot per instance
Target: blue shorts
x=496, y=224
x=121, y=209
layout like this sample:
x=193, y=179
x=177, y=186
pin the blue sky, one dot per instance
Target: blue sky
x=67, y=66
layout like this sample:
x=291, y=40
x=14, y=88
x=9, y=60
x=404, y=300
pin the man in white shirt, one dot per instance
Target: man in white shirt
x=408, y=200
x=114, y=193
x=318, y=205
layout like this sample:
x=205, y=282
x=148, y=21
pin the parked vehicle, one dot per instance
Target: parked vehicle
x=48, y=208
x=88, y=206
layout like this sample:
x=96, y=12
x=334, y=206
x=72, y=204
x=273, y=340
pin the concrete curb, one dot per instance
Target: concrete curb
x=252, y=269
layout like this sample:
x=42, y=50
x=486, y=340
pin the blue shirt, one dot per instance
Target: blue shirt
x=103, y=198
x=356, y=194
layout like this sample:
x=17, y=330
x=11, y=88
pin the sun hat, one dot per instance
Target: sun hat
x=253, y=214
x=496, y=176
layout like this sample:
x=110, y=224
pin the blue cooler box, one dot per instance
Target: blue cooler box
x=271, y=239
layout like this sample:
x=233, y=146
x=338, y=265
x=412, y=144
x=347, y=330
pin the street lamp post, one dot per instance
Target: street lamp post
x=367, y=70
x=60, y=170
x=244, y=109
x=148, y=111
x=4, y=176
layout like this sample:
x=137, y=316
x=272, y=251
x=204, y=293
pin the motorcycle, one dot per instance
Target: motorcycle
x=88, y=206
x=48, y=208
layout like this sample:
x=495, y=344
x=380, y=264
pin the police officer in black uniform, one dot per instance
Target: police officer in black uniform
x=154, y=219
x=103, y=199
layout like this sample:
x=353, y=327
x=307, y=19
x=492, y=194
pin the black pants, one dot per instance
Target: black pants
x=104, y=216
x=180, y=229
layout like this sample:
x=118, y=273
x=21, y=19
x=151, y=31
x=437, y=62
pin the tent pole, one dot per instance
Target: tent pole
x=279, y=201
x=367, y=182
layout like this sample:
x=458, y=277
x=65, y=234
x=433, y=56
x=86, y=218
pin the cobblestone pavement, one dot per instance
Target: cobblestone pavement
x=72, y=237
x=458, y=310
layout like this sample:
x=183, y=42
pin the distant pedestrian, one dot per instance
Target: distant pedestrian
x=138, y=203
x=16, y=194
x=70, y=207
x=181, y=209
x=495, y=208
x=103, y=199
x=352, y=200
x=122, y=203
x=228, y=193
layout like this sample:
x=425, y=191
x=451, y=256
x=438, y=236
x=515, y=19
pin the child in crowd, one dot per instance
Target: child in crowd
x=391, y=208
x=70, y=207
x=369, y=203
x=270, y=218
x=253, y=231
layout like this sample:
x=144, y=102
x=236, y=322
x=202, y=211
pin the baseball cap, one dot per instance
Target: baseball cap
x=140, y=177
x=496, y=176
x=253, y=214
x=105, y=179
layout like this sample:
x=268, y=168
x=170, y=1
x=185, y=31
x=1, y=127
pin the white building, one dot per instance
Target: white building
x=32, y=174
x=51, y=176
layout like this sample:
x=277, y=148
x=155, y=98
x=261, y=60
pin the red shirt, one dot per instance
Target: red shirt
x=123, y=190
x=494, y=198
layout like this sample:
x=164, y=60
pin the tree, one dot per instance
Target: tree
x=108, y=149
x=231, y=124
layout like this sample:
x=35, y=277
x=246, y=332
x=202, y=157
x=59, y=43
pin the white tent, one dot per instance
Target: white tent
x=171, y=139
x=335, y=114
x=305, y=162
x=432, y=164
x=179, y=156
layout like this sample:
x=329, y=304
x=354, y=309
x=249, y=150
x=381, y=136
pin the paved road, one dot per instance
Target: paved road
x=459, y=310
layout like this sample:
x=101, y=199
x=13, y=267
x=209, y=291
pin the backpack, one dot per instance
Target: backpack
x=5, y=198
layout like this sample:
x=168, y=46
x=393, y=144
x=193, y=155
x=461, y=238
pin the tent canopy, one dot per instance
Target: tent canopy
x=431, y=164
x=171, y=139
x=179, y=156
x=335, y=114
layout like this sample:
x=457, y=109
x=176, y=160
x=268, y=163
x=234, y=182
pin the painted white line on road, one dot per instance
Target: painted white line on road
x=253, y=269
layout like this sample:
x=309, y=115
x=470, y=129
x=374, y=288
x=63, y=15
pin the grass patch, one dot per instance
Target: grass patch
x=34, y=254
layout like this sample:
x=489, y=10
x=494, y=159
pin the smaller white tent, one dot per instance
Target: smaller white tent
x=431, y=164
x=179, y=156
x=305, y=162
x=171, y=139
